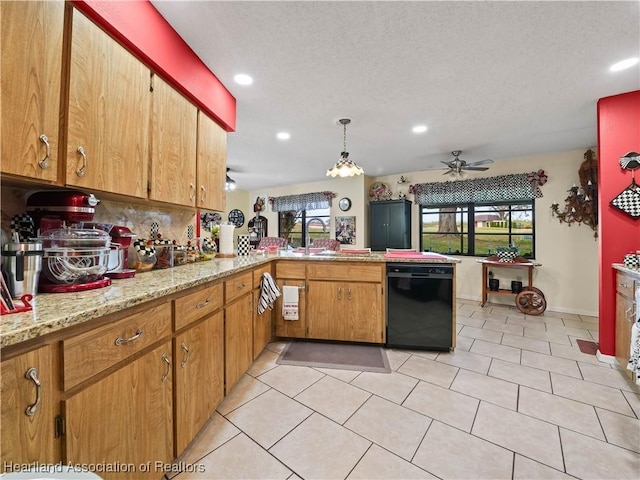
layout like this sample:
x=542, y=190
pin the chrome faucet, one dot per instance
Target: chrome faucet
x=306, y=238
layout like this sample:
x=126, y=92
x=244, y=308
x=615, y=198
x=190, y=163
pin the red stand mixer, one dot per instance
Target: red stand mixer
x=75, y=258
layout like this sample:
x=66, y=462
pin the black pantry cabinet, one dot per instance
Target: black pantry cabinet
x=390, y=224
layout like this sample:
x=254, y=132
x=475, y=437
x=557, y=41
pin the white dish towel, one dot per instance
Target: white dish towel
x=290, y=301
x=634, y=347
x=269, y=291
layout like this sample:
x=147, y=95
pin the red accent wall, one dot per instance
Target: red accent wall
x=141, y=29
x=618, y=133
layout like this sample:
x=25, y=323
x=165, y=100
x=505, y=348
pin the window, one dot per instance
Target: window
x=477, y=228
x=290, y=225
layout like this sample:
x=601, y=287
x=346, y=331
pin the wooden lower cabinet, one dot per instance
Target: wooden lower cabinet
x=198, y=377
x=291, y=328
x=626, y=312
x=262, y=326
x=27, y=417
x=125, y=419
x=347, y=311
x=238, y=339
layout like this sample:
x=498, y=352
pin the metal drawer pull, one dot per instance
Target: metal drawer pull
x=122, y=341
x=339, y=293
x=80, y=171
x=186, y=354
x=623, y=285
x=349, y=293
x=32, y=374
x=628, y=311
x=241, y=286
x=203, y=304
x=165, y=359
x=44, y=163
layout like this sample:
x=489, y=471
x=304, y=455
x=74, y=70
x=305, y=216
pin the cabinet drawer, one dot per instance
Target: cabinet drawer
x=625, y=285
x=237, y=286
x=290, y=269
x=345, y=271
x=90, y=353
x=257, y=274
x=196, y=305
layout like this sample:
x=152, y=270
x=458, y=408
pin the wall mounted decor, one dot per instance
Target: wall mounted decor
x=628, y=200
x=346, y=230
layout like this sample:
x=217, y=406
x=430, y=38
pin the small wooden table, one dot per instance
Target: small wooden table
x=493, y=261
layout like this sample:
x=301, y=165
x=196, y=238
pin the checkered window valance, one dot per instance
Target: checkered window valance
x=303, y=201
x=521, y=186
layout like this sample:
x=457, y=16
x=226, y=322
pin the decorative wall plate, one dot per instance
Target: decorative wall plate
x=379, y=191
x=236, y=217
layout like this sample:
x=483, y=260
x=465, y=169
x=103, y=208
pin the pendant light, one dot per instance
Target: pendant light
x=230, y=184
x=344, y=167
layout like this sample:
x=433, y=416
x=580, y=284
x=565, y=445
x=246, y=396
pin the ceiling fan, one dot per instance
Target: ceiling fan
x=457, y=166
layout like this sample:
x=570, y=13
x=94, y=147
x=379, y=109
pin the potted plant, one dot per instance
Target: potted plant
x=507, y=254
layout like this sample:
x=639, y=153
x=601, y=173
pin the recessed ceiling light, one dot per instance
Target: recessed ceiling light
x=419, y=129
x=624, y=64
x=243, y=79
x=283, y=136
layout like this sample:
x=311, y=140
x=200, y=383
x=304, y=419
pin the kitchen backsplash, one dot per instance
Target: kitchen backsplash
x=171, y=223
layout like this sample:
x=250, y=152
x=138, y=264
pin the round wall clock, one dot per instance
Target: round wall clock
x=236, y=217
x=344, y=204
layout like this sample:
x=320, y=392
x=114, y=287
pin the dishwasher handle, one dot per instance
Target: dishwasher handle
x=419, y=275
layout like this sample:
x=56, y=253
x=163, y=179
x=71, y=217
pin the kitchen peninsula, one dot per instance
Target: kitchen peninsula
x=154, y=355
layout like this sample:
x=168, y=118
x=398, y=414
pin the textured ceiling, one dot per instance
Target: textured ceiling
x=494, y=79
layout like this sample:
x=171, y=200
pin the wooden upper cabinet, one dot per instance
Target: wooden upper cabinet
x=173, y=146
x=31, y=59
x=211, y=162
x=108, y=118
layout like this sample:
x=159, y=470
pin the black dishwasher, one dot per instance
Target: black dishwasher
x=420, y=306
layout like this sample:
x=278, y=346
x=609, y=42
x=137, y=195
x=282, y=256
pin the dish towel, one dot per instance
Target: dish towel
x=290, y=302
x=634, y=347
x=269, y=291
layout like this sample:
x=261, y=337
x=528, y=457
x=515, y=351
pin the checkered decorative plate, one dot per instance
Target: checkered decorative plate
x=629, y=200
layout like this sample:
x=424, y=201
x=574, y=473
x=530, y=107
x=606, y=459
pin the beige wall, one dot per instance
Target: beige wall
x=568, y=274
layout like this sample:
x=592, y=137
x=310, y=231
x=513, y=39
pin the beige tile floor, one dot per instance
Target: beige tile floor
x=516, y=399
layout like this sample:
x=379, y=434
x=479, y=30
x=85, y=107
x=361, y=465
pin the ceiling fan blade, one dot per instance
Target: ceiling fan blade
x=448, y=172
x=448, y=164
x=479, y=162
x=477, y=169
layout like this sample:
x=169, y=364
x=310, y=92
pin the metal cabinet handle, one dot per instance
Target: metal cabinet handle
x=339, y=293
x=44, y=163
x=241, y=286
x=165, y=359
x=204, y=193
x=122, y=341
x=80, y=171
x=192, y=195
x=623, y=285
x=203, y=304
x=349, y=293
x=186, y=354
x=32, y=374
x=629, y=312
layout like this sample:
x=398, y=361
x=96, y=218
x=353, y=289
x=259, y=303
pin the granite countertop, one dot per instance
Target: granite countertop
x=55, y=311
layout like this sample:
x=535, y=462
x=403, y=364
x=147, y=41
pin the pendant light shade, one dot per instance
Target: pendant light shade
x=230, y=184
x=344, y=167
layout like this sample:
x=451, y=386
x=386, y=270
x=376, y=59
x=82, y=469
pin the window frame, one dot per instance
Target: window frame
x=471, y=228
x=303, y=222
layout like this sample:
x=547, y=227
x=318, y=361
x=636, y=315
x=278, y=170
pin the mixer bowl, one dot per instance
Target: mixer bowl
x=69, y=266
x=75, y=238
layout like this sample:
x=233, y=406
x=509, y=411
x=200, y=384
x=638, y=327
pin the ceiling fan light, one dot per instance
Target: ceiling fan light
x=230, y=183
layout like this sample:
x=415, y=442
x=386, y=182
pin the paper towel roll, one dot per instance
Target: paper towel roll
x=226, y=239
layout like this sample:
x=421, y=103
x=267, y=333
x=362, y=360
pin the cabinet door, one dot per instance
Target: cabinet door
x=199, y=377
x=125, y=418
x=378, y=226
x=31, y=59
x=363, y=318
x=291, y=328
x=262, y=326
x=238, y=340
x=399, y=225
x=109, y=111
x=624, y=322
x=211, y=164
x=173, y=146
x=27, y=409
x=327, y=315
